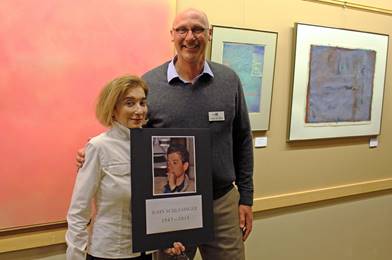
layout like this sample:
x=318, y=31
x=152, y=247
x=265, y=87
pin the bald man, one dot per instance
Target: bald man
x=189, y=92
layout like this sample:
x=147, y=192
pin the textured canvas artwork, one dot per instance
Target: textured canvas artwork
x=340, y=84
x=55, y=57
x=247, y=60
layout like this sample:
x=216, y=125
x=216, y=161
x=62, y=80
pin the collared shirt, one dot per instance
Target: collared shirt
x=173, y=74
x=104, y=179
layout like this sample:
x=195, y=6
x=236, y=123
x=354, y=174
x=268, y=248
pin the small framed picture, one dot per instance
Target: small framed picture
x=251, y=54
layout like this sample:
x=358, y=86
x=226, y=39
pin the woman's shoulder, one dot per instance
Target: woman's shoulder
x=99, y=140
x=109, y=143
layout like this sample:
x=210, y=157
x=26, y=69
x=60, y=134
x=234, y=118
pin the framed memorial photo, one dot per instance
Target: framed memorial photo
x=338, y=83
x=171, y=186
x=251, y=54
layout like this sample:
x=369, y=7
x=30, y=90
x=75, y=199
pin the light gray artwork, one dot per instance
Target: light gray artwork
x=247, y=61
x=340, y=84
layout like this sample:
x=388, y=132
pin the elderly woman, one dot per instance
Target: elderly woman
x=104, y=179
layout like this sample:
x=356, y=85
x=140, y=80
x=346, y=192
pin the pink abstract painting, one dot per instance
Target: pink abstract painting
x=55, y=56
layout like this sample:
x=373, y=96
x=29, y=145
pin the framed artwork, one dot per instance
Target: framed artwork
x=251, y=54
x=54, y=64
x=338, y=83
x=171, y=185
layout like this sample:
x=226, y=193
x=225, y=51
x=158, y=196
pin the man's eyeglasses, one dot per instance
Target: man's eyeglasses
x=183, y=31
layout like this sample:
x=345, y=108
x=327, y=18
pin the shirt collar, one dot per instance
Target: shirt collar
x=172, y=72
x=120, y=130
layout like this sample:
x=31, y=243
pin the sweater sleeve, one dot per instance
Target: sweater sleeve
x=79, y=212
x=243, y=150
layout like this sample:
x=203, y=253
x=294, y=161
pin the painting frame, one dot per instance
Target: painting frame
x=307, y=35
x=260, y=118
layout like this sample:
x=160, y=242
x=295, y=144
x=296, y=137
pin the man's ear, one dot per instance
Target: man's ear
x=185, y=166
x=209, y=34
x=172, y=35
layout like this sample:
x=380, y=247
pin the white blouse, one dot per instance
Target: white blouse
x=105, y=181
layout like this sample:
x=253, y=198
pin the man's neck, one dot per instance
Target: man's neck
x=188, y=71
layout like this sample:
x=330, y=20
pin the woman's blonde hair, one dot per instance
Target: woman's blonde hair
x=112, y=93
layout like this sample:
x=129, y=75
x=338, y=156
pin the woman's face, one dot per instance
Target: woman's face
x=131, y=110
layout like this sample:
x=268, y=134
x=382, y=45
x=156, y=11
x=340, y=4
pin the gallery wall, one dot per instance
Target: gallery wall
x=290, y=173
x=286, y=174
x=325, y=168
x=51, y=67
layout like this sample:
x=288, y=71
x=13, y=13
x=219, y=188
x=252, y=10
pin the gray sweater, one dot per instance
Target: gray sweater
x=180, y=105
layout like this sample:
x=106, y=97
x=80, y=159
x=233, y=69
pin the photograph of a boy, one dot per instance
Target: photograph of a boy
x=174, y=168
x=177, y=169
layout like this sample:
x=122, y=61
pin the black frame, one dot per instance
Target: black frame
x=142, y=183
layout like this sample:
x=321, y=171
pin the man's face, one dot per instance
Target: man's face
x=190, y=35
x=175, y=164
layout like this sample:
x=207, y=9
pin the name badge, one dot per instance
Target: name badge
x=216, y=116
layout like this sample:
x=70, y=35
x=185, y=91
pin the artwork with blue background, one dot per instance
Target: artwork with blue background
x=247, y=61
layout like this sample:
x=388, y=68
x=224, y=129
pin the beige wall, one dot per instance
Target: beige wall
x=293, y=167
x=356, y=228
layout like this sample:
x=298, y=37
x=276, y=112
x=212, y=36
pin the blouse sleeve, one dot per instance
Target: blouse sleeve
x=79, y=212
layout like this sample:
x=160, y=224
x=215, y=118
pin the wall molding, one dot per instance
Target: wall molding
x=33, y=239
x=348, y=4
x=307, y=196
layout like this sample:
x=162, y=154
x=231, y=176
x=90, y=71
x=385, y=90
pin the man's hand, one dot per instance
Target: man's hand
x=80, y=156
x=171, y=179
x=177, y=249
x=246, y=220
